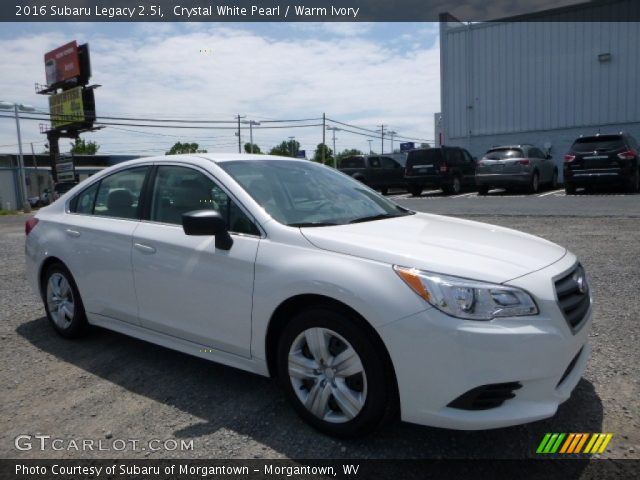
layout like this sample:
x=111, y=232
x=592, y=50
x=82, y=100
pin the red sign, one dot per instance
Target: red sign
x=62, y=64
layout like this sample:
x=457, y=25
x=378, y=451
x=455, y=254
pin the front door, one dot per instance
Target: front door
x=186, y=287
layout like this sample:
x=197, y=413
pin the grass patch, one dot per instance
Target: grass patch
x=8, y=212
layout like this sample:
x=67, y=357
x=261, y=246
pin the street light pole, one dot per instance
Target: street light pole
x=251, y=123
x=370, y=149
x=391, y=133
x=26, y=207
x=291, y=139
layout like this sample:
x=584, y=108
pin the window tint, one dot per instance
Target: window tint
x=422, y=157
x=468, y=159
x=389, y=163
x=504, y=154
x=178, y=190
x=602, y=142
x=454, y=156
x=84, y=202
x=536, y=153
x=352, y=162
x=374, y=162
x=118, y=194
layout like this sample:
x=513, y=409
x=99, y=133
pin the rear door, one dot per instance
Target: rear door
x=99, y=231
x=424, y=163
x=186, y=287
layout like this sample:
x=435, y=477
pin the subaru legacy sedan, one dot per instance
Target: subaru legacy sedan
x=362, y=309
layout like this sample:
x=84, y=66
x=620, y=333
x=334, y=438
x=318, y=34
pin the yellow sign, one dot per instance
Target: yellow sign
x=66, y=108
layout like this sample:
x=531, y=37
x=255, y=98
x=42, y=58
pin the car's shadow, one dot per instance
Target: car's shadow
x=226, y=398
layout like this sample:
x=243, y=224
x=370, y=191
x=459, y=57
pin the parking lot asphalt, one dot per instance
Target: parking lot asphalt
x=108, y=386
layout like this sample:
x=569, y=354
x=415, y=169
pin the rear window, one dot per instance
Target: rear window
x=503, y=154
x=423, y=157
x=352, y=162
x=602, y=142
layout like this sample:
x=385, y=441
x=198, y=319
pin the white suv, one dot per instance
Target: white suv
x=291, y=269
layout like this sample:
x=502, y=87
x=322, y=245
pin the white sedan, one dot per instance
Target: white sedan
x=283, y=267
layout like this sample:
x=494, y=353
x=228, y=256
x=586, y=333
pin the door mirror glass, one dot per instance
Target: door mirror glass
x=207, y=223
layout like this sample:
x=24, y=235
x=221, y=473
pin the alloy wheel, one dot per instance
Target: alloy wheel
x=327, y=375
x=60, y=300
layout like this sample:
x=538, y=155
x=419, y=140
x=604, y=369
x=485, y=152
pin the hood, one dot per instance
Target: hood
x=441, y=244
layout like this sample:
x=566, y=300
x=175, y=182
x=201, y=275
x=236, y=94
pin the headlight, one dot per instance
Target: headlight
x=468, y=299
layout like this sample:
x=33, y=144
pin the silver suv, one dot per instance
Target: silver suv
x=515, y=166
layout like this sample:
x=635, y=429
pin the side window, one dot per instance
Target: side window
x=455, y=157
x=389, y=163
x=535, y=153
x=119, y=194
x=178, y=190
x=84, y=202
x=374, y=162
x=468, y=159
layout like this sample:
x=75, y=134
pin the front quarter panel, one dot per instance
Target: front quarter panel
x=284, y=271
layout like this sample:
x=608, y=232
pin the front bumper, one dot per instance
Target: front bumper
x=438, y=358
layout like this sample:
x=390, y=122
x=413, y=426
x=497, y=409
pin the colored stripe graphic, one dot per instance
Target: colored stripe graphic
x=569, y=443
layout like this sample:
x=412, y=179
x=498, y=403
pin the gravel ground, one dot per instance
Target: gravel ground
x=108, y=386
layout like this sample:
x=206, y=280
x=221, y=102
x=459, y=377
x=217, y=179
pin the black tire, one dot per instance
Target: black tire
x=415, y=190
x=68, y=326
x=376, y=383
x=554, y=180
x=633, y=184
x=569, y=189
x=483, y=190
x=534, y=183
x=454, y=188
x=384, y=190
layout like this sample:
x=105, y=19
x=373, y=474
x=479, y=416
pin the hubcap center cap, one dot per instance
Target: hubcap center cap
x=329, y=373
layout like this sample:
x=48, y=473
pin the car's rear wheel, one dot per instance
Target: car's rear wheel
x=534, y=183
x=384, y=190
x=554, y=180
x=633, y=184
x=415, y=190
x=333, y=374
x=483, y=190
x=569, y=189
x=62, y=302
x=454, y=188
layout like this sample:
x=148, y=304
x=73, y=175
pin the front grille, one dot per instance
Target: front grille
x=572, y=291
x=486, y=396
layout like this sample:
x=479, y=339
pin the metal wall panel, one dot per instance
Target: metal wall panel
x=512, y=77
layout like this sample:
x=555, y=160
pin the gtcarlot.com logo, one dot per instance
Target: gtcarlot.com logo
x=47, y=442
x=567, y=443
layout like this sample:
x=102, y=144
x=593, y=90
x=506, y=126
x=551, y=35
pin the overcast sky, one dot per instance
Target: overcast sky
x=365, y=74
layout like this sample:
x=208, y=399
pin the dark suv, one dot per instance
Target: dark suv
x=448, y=168
x=380, y=172
x=602, y=160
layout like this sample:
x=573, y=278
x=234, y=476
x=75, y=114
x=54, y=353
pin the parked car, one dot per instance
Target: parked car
x=380, y=172
x=603, y=160
x=287, y=268
x=448, y=168
x=35, y=201
x=61, y=188
x=516, y=166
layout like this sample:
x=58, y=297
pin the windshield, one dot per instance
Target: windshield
x=602, y=143
x=298, y=193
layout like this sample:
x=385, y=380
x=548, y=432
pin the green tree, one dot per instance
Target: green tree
x=248, y=149
x=82, y=147
x=349, y=152
x=425, y=145
x=179, y=148
x=287, y=148
x=328, y=154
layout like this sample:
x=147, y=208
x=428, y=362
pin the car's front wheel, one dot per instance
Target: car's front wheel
x=333, y=374
x=415, y=190
x=62, y=302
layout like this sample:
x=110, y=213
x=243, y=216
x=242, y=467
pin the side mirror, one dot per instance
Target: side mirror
x=207, y=223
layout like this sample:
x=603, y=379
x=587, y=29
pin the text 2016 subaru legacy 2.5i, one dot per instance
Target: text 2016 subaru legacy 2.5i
x=361, y=308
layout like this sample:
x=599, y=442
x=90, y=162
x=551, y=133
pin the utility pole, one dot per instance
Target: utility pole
x=335, y=159
x=251, y=123
x=291, y=139
x=382, y=127
x=238, y=133
x=391, y=133
x=370, y=142
x=35, y=164
x=324, y=131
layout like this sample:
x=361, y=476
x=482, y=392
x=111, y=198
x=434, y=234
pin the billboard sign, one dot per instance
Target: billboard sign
x=301, y=154
x=73, y=107
x=65, y=168
x=405, y=147
x=62, y=64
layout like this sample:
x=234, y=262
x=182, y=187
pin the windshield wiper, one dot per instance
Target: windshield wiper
x=311, y=224
x=380, y=216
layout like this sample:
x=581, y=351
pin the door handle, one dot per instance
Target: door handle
x=148, y=249
x=72, y=233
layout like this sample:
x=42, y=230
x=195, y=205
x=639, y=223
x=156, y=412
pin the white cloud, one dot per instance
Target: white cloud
x=149, y=72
